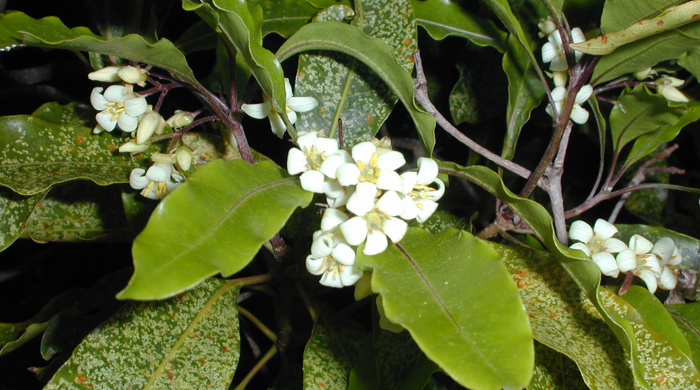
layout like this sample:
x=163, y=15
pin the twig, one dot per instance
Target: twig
x=259, y=365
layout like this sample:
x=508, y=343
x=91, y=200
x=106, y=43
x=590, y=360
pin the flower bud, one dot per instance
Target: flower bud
x=180, y=119
x=133, y=75
x=108, y=74
x=183, y=157
x=133, y=147
x=147, y=126
x=643, y=74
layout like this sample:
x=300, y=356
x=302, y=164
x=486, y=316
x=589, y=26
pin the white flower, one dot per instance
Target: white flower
x=598, y=243
x=638, y=259
x=420, y=200
x=666, y=86
x=294, y=105
x=372, y=164
x=669, y=257
x=118, y=106
x=374, y=226
x=313, y=160
x=157, y=182
x=553, y=51
x=334, y=258
x=578, y=114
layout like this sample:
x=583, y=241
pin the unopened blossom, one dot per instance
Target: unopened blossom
x=116, y=73
x=159, y=180
x=598, y=244
x=372, y=164
x=312, y=160
x=376, y=226
x=666, y=86
x=118, y=106
x=149, y=124
x=639, y=259
x=184, y=157
x=644, y=74
x=546, y=26
x=180, y=119
x=293, y=105
x=422, y=190
x=578, y=114
x=333, y=258
x=553, y=51
x=669, y=257
x=133, y=147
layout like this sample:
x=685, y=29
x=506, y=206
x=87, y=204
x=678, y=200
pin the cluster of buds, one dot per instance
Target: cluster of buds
x=656, y=264
x=553, y=52
x=666, y=86
x=368, y=201
x=119, y=106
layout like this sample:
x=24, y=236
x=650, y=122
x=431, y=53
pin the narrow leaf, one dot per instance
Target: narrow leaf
x=505, y=14
x=481, y=341
x=222, y=216
x=187, y=340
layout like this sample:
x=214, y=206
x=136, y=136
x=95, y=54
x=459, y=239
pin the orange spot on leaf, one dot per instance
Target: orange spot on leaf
x=171, y=375
x=82, y=378
x=604, y=39
x=660, y=23
x=81, y=138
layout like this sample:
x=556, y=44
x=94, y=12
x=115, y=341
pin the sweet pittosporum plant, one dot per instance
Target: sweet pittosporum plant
x=300, y=211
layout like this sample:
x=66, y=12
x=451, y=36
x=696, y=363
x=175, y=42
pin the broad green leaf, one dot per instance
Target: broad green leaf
x=347, y=89
x=448, y=18
x=284, y=17
x=372, y=52
x=687, y=316
x=329, y=355
x=79, y=211
x=525, y=92
x=214, y=223
x=562, y=318
x=638, y=112
x=689, y=246
x=238, y=24
x=617, y=14
x=554, y=371
x=483, y=341
x=390, y=361
x=14, y=335
x=53, y=146
x=197, y=37
x=14, y=211
x=189, y=340
x=17, y=28
x=663, y=363
x=463, y=103
x=670, y=19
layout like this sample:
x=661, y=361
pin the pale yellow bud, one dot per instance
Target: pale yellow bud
x=108, y=74
x=133, y=147
x=133, y=75
x=147, y=126
x=180, y=119
x=184, y=157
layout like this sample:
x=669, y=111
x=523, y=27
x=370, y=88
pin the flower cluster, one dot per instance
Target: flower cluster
x=656, y=264
x=369, y=202
x=666, y=86
x=119, y=106
x=553, y=52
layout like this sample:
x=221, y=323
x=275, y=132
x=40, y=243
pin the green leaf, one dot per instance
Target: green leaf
x=638, y=112
x=189, y=339
x=482, y=341
x=463, y=100
x=238, y=24
x=687, y=316
x=53, y=146
x=525, y=92
x=349, y=90
x=14, y=212
x=390, y=361
x=329, y=354
x=562, y=318
x=17, y=28
x=372, y=52
x=221, y=217
x=617, y=14
x=504, y=13
x=442, y=19
x=554, y=371
x=285, y=17
x=79, y=211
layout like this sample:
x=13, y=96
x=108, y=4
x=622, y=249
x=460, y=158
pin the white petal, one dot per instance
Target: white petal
x=343, y=254
x=127, y=122
x=607, y=264
x=559, y=63
x=409, y=180
x=326, y=145
x=614, y=245
x=348, y=174
x=277, y=124
x=349, y=275
x=664, y=248
x=582, y=247
x=130, y=75
x=584, y=93
x=107, y=74
x=581, y=231
x=410, y=210
x=333, y=189
x=376, y=243
x=395, y=228
x=332, y=218
x=668, y=280
x=626, y=260
x=157, y=173
x=676, y=257
x=439, y=192
x=427, y=170
x=115, y=93
x=577, y=35
x=316, y=265
x=549, y=52
x=292, y=116
x=312, y=181
x=652, y=264
x=322, y=246
x=147, y=127
x=604, y=229
x=288, y=91
x=330, y=165
x=362, y=201
x=389, y=180
x=427, y=210
x=341, y=200
x=354, y=230
x=257, y=111
x=672, y=94
x=579, y=114
x=649, y=279
x=558, y=94
x=392, y=160
x=307, y=140
x=301, y=104
x=640, y=245
x=135, y=106
x=363, y=151
x=331, y=279
x=104, y=119
x=296, y=162
x=98, y=101
x=390, y=203
x=137, y=178
x=133, y=147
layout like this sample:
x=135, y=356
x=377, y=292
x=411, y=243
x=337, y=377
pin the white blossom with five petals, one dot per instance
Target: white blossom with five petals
x=639, y=259
x=118, y=106
x=420, y=198
x=598, y=244
x=333, y=258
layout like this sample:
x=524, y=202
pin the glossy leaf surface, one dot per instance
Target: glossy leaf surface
x=176, y=343
x=481, y=341
x=215, y=223
x=14, y=211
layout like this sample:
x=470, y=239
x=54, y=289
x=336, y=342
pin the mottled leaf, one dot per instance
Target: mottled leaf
x=284, y=17
x=687, y=316
x=53, y=146
x=329, y=354
x=463, y=106
x=373, y=52
x=189, y=340
x=554, y=371
x=15, y=209
x=222, y=216
x=448, y=18
x=481, y=341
